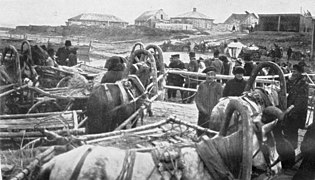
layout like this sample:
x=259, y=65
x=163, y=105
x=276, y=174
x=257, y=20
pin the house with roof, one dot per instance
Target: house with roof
x=285, y=22
x=92, y=19
x=197, y=19
x=150, y=18
x=241, y=21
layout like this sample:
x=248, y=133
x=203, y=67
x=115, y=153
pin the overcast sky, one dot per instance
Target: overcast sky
x=56, y=12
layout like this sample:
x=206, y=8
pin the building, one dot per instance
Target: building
x=241, y=21
x=101, y=20
x=174, y=26
x=285, y=22
x=198, y=20
x=150, y=18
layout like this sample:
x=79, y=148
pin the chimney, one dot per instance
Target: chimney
x=194, y=9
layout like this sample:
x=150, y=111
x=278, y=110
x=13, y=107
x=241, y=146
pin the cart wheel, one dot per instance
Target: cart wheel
x=45, y=106
x=247, y=135
x=64, y=82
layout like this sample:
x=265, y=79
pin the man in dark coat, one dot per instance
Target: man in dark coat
x=249, y=65
x=297, y=88
x=191, y=81
x=66, y=56
x=208, y=94
x=236, y=86
x=217, y=63
x=289, y=52
x=175, y=79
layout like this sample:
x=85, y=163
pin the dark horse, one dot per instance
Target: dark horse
x=111, y=103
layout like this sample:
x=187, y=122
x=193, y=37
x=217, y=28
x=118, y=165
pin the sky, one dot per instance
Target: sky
x=56, y=12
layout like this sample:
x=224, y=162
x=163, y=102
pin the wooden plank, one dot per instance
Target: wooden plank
x=35, y=120
x=48, y=126
x=16, y=116
x=6, y=135
x=75, y=120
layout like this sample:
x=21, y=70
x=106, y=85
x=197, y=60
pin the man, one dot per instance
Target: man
x=236, y=86
x=208, y=94
x=249, y=65
x=66, y=56
x=191, y=81
x=289, y=53
x=297, y=88
x=175, y=79
x=217, y=63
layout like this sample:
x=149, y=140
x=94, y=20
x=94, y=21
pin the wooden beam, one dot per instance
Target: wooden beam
x=313, y=46
x=279, y=22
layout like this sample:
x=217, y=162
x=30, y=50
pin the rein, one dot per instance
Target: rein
x=76, y=172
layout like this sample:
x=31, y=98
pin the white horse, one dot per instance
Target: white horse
x=220, y=157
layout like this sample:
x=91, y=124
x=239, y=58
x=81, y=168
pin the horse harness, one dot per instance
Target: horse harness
x=125, y=89
x=126, y=172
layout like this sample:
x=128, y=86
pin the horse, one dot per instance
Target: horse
x=221, y=157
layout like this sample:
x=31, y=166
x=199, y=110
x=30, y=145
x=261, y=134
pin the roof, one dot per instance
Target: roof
x=240, y=17
x=96, y=17
x=193, y=15
x=284, y=14
x=147, y=15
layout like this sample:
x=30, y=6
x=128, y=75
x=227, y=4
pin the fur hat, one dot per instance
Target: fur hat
x=216, y=53
x=68, y=43
x=192, y=54
x=239, y=70
x=210, y=68
x=298, y=68
x=223, y=58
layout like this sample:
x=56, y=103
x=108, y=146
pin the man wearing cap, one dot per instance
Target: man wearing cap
x=175, y=79
x=208, y=94
x=236, y=86
x=297, y=88
x=65, y=53
x=191, y=81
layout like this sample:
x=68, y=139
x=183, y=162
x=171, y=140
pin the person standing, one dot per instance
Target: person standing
x=191, y=81
x=236, y=86
x=208, y=94
x=65, y=55
x=217, y=63
x=51, y=59
x=289, y=53
x=249, y=65
x=297, y=88
x=175, y=79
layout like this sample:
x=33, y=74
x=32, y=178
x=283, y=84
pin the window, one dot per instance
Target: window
x=161, y=16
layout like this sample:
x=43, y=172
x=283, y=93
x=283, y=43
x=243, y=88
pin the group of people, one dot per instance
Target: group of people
x=65, y=56
x=220, y=63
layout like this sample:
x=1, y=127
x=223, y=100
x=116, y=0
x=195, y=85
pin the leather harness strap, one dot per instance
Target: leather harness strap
x=76, y=172
x=123, y=94
x=109, y=96
x=127, y=170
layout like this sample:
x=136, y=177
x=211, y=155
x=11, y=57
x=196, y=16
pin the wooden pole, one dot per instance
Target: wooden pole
x=313, y=46
x=279, y=22
x=36, y=115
